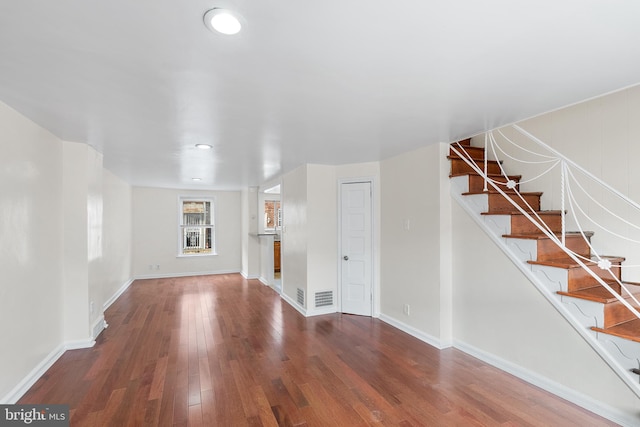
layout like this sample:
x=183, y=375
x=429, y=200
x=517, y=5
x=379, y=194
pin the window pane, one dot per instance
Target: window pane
x=196, y=227
x=196, y=240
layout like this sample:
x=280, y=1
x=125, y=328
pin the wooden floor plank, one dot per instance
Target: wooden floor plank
x=224, y=351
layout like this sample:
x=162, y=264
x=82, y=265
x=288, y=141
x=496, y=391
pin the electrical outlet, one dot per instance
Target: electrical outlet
x=157, y=266
x=406, y=225
x=150, y=266
x=91, y=307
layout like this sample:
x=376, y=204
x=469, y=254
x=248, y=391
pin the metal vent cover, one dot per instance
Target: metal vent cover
x=324, y=298
x=300, y=297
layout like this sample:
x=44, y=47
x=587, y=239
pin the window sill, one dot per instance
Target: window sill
x=196, y=255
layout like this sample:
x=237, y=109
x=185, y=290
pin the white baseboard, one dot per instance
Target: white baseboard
x=294, y=304
x=23, y=386
x=249, y=276
x=321, y=311
x=30, y=379
x=115, y=296
x=98, y=326
x=184, y=274
x=422, y=336
x=264, y=281
x=78, y=344
x=573, y=396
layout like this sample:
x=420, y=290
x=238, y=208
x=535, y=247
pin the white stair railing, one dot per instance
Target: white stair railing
x=577, y=187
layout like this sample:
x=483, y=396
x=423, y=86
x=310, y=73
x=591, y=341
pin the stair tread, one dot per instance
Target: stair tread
x=475, y=159
x=465, y=142
x=520, y=213
x=542, y=236
x=601, y=294
x=628, y=330
x=564, y=263
x=524, y=193
x=491, y=175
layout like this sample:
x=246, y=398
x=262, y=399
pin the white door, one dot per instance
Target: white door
x=356, y=251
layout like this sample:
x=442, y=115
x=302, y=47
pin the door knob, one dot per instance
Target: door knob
x=346, y=258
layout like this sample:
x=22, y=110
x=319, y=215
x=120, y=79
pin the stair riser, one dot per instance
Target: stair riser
x=459, y=166
x=580, y=279
x=476, y=183
x=521, y=225
x=548, y=250
x=473, y=152
x=616, y=313
x=497, y=203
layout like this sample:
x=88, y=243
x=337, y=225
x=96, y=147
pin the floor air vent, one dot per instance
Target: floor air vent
x=300, y=297
x=324, y=298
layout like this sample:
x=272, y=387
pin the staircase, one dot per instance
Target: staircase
x=605, y=323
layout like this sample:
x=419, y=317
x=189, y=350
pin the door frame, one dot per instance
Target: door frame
x=375, y=294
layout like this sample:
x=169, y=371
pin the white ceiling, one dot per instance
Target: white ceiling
x=328, y=82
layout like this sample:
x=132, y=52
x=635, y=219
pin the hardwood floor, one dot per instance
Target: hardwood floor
x=224, y=351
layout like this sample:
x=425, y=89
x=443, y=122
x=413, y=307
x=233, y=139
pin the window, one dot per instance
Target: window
x=272, y=214
x=196, y=231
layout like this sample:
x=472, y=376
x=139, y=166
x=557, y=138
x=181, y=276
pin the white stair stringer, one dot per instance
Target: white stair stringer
x=620, y=354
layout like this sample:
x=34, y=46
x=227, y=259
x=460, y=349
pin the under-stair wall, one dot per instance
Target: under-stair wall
x=500, y=317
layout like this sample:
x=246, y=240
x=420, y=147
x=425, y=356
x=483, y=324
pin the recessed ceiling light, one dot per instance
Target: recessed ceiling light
x=196, y=179
x=222, y=21
x=203, y=146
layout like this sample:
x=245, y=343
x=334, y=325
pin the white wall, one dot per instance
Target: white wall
x=251, y=259
x=411, y=270
x=116, y=242
x=155, y=234
x=602, y=136
x=322, y=233
x=75, y=261
x=31, y=317
x=294, y=233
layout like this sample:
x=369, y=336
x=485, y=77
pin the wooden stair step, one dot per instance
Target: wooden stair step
x=615, y=312
x=570, y=264
x=459, y=166
x=498, y=203
x=476, y=182
x=467, y=151
x=628, y=330
x=548, y=250
x=520, y=224
x=578, y=278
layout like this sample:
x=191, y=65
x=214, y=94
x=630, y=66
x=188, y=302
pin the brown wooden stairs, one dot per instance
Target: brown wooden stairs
x=601, y=318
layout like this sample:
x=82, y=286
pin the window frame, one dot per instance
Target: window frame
x=181, y=226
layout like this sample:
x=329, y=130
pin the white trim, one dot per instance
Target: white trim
x=293, y=304
x=322, y=310
x=422, y=336
x=185, y=274
x=30, y=379
x=116, y=295
x=549, y=385
x=375, y=308
x=79, y=344
x=98, y=326
x=250, y=277
x=264, y=281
